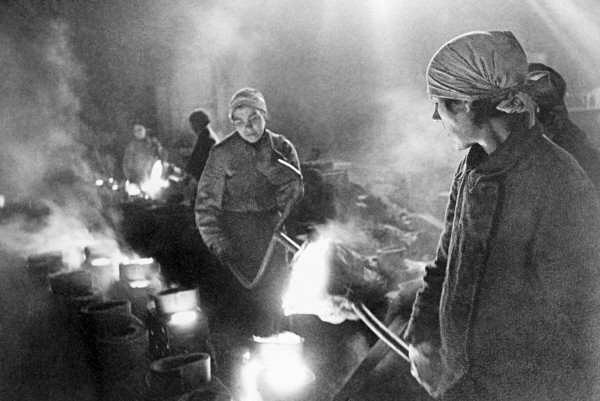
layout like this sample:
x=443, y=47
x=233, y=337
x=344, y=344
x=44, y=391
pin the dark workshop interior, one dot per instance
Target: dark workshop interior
x=108, y=290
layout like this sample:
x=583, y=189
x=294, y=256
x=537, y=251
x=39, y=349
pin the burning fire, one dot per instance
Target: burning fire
x=306, y=291
x=153, y=186
x=183, y=318
x=276, y=362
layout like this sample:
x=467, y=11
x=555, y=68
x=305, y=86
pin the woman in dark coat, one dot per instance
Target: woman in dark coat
x=509, y=308
x=250, y=183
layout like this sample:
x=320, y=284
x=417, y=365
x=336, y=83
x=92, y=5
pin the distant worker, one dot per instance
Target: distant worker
x=559, y=128
x=250, y=183
x=140, y=156
x=199, y=120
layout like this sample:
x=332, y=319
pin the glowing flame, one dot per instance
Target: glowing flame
x=183, y=318
x=285, y=337
x=156, y=182
x=277, y=363
x=288, y=377
x=139, y=284
x=99, y=183
x=307, y=287
x=138, y=261
x=101, y=262
x=132, y=189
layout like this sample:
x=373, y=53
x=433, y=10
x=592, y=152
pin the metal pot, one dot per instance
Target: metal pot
x=109, y=318
x=76, y=282
x=176, y=300
x=177, y=374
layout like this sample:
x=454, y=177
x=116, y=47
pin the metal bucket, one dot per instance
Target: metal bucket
x=107, y=319
x=176, y=300
x=177, y=374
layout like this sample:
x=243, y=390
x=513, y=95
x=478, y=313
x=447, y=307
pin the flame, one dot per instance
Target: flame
x=285, y=337
x=153, y=186
x=183, y=318
x=139, y=284
x=307, y=287
x=138, y=261
x=132, y=189
x=100, y=262
x=288, y=377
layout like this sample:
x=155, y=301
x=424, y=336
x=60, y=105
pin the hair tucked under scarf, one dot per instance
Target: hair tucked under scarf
x=485, y=65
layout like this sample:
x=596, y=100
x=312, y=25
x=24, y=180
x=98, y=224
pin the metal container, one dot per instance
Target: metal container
x=176, y=300
x=174, y=375
x=76, y=282
x=103, y=273
x=283, y=346
x=42, y=264
x=138, y=269
x=105, y=319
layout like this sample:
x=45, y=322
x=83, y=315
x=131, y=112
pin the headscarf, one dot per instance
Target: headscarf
x=247, y=97
x=485, y=65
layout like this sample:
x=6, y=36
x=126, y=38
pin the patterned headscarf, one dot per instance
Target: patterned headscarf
x=485, y=65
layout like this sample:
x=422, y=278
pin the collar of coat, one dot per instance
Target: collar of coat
x=513, y=149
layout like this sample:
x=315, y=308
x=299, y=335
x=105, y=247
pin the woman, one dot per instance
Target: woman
x=250, y=183
x=509, y=309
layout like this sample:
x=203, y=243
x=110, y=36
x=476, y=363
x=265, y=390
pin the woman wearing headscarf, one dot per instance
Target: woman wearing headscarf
x=509, y=307
x=250, y=183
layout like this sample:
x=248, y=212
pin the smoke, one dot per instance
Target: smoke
x=52, y=204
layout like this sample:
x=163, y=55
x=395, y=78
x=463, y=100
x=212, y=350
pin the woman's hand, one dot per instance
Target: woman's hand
x=426, y=365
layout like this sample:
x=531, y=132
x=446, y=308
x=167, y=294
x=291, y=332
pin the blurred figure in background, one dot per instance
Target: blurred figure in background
x=199, y=121
x=250, y=183
x=557, y=125
x=140, y=156
x=509, y=308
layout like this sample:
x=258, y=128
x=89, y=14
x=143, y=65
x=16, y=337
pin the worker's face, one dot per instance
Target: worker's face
x=457, y=121
x=249, y=123
x=139, y=131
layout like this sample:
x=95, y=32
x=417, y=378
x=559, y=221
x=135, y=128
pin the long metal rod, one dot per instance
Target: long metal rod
x=393, y=341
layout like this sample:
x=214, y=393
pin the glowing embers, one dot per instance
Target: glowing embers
x=184, y=318
x=275, y=368
x=139, y=284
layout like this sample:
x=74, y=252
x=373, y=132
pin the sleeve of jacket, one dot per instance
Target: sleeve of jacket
x=424, y=322
x=209, y=199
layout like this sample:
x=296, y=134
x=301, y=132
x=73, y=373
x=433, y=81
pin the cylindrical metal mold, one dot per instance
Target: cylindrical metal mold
x=42, y=264
x=120, y=354
x=107, y=319
x=177, y=374
x=176, y=300
x=76, y=282
x=138, y=270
